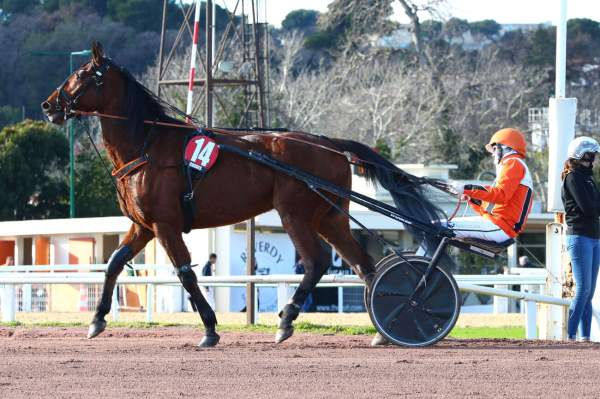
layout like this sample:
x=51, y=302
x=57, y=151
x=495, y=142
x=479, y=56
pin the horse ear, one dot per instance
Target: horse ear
x=97, y=53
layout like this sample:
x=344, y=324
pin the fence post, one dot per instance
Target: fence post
x=255, y=303
x=149, y=302
x=555, y=316
x=114, y=308
x=340, y=299
x=283, y=293
x=26, y=290
x=500, y=303
x=9, y=303
x=530, y=319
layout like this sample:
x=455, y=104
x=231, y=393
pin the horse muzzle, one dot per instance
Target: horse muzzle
x=54, y=114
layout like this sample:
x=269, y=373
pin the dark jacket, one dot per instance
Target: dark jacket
x=207, y=269
x=581, y=199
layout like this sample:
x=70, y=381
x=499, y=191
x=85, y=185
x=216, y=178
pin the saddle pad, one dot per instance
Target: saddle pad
x=201, y=153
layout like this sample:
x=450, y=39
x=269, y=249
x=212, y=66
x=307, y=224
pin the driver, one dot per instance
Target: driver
x=511, y=193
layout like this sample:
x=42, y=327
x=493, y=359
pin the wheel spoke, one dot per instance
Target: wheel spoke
x=431, y=286
x=440, y=313
x=393, y=314
x=420, y=329
x=380, y=294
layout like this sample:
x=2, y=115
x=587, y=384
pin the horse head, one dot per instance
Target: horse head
x=86, y=89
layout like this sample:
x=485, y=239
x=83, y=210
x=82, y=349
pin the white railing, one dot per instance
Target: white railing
x=16, y=275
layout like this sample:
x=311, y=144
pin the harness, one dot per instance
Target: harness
x=71, y=100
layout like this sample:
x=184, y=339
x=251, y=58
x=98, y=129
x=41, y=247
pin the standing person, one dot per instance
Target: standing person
x=208, y=270
x=525, y=262
x=581, y=200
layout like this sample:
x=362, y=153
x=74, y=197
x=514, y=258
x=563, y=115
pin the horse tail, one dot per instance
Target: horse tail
x=406, y=190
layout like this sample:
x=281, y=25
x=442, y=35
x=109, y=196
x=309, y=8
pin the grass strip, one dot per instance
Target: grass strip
x=307, y=327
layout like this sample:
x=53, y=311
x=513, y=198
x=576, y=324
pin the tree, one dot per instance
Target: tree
x=487, y=28
x=17, y=6
x=303, y=20
x=414, y=9
x=9, y=115
x=350, y=22
x=543, y=47
x=583, y=41
x=455, y=28
x=139, y=14
x=33, y=158
x=99, y=6
x=95, y=195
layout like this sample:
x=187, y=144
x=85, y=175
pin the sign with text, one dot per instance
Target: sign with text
x=274, y=253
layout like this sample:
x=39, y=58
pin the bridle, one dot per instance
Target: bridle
x=70, y=100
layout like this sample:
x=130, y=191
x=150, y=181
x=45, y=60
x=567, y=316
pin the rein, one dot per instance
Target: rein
x=352, y=158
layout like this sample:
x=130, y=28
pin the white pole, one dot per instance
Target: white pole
x=555, y=322
x=9, y=303
x=212, y=53
x=283, y=295
x=530, y=319
x=115, y=304
x=561, y=116
x=214, y=31
x=190, y=96
x=561, y=50
x=149, y=301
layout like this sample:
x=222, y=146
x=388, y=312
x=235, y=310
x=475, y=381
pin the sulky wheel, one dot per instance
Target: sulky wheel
x=410, y=318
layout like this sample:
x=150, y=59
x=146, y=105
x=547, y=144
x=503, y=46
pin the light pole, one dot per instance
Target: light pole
x=70, y=128
x=72, y=142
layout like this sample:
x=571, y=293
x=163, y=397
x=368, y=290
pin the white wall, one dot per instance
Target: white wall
x=275, y=254
x=222, y=243
x=59, y=250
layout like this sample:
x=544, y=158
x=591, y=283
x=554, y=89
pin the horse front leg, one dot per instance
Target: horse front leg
x=173, y=243
x=136, y=238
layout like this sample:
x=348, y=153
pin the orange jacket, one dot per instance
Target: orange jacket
x=511, y=194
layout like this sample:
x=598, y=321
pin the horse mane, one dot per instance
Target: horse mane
x=141, y=104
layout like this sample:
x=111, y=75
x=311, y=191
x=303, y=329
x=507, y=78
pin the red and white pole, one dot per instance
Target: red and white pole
x=190, y=96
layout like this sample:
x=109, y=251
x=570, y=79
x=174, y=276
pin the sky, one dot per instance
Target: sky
x=503, y=11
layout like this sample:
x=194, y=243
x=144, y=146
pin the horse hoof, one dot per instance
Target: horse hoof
x=379, y=340
x=283, y=334
x=209, y=341
x=96, y=328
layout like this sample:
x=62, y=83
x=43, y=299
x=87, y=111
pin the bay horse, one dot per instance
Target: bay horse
x=234, y=190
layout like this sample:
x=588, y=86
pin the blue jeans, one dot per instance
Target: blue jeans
x=585, y=258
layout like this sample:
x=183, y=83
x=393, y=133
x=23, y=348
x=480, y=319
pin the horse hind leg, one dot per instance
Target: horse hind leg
x=335, y=229
x=171, y=240
x=134, y=241
x=316, y=262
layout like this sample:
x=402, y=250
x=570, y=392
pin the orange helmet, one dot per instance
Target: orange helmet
x=510, y=137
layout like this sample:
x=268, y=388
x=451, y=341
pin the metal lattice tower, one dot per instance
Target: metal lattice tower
x=244, y=39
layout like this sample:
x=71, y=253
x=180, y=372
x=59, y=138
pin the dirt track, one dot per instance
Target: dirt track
x=163, y=363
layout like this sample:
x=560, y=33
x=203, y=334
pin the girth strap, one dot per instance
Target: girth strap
x=130, y=167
